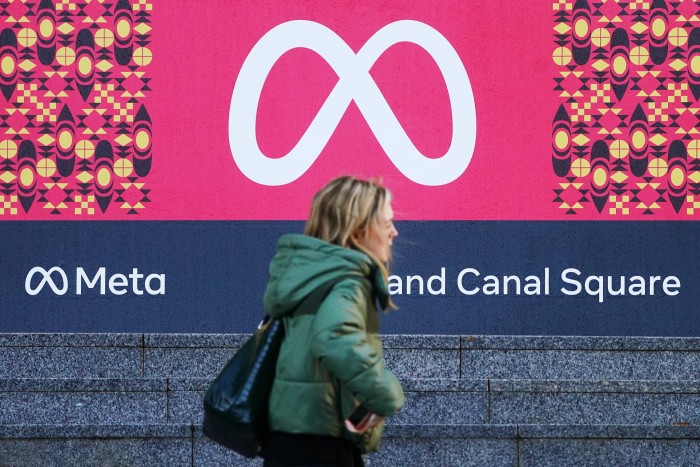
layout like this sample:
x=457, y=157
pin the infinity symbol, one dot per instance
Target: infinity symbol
x=47, y=279
x=356, y=84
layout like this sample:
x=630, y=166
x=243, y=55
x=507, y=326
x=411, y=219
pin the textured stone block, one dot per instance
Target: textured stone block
x=594, y=386
x=581, y=343
x=609, y=431
x=597, y=452
x=94, y=445
x=70, y=362
x=595, y=402
x=575, y=364
x=208, y=453
x=443, y=408
x=418, y=363
x=82, y=407
x=186, y=407
x=71, y=340
x=96, y=452
x=444, y=452
x=593, y=445
x=590, y=408
x=185, y=362
x=233, y=341
x=431, y=342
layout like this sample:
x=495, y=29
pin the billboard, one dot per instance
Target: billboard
x=544, y=159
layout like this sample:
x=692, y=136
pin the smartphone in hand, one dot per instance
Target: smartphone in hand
x=358, y=420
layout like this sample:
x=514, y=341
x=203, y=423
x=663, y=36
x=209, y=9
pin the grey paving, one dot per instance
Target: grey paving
x=598, y=452
x=443, y=408
x=597, y=431
x=447, y=445
x=185, y=362
x=207, y=453
x=95, y=445
x=233, y=341
x=70, y=362
x=418, y=363
x=427, y=342
x=96, y=452
x=592, y=386
x=71, y=340
x=83, y=407
x=444, y=452
x=83, y=384
x=577, y=364
x=135, y=399
x=415, y=444
x=592, y=408
x=185, y=407
x=580, y=343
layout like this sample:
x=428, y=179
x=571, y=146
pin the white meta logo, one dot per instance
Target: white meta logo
x=356, y=84
x=118, y=284
x=46, y=278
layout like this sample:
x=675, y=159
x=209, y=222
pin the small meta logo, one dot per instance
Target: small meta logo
x=355, y=84
x=117, y=284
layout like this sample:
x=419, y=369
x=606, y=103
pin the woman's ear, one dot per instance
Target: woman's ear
x=358, y=235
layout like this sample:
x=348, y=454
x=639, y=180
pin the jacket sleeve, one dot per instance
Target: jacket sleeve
x=339, y=340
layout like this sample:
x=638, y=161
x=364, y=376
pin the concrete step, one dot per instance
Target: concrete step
x=435, y=445
x=453, y=357
x=440, y=401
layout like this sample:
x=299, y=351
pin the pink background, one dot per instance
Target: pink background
x=506, y=49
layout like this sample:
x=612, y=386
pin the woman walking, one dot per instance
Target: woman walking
x=331, y=364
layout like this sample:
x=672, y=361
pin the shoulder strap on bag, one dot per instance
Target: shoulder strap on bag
x=313, y=301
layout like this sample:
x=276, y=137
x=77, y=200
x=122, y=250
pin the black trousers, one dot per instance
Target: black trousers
x=289, y=449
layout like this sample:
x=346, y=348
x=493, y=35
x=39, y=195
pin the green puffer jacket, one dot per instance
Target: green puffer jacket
x=333, y=360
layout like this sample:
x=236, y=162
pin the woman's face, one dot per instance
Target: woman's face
x=378, y=238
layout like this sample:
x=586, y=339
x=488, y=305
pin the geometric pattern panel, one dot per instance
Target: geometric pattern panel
x=625, y=138
x=75, y=134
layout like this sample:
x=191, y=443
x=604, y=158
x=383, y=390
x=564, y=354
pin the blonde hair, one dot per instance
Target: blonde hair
x=345, y=207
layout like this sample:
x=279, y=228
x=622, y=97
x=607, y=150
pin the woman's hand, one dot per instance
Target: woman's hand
x=374, y=420
x=368, y=421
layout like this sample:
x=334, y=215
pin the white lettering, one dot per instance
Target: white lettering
x=395, y=285
x=460, y=278
x=135, y=276
x=410, y=280
x=440, y=279
x=161, y=284
x=118, y=280
x=669, y=288
x=595, y=291
x=565, y=278
x=80, y=276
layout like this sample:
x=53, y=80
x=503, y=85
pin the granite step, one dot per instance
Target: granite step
x=409, y=356
x=440, y=401
x=435, y=445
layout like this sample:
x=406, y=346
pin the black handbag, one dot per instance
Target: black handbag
x=236, y=403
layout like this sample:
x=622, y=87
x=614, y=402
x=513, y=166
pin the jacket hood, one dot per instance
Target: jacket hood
x=303, y=263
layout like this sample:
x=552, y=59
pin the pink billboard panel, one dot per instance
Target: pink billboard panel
x=239, y=110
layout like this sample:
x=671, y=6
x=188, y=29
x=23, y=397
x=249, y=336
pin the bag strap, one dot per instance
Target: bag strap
x=313, y=301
